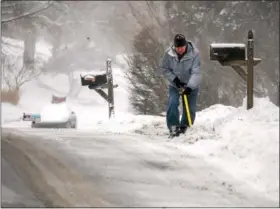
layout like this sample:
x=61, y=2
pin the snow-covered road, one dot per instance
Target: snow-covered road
x=15, y=193
x=130, y=170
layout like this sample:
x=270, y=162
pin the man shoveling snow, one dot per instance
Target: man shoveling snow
x=181, y=67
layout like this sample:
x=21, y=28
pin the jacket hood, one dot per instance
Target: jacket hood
x=171, y=50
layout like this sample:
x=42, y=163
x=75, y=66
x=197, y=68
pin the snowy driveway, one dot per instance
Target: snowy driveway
x=129, y=170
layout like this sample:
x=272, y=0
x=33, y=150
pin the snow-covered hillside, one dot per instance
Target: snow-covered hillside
x=13, y=47
x=244, y=143
x=12, y=61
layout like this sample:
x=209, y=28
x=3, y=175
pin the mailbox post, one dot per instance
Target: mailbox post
x=250, y=68
x=234, y=55
x=110, y=89
x=100, y=82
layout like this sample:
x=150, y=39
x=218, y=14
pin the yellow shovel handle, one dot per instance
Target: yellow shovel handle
x=187, y=109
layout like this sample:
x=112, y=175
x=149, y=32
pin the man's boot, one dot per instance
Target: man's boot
x=174, y=131
x=183, y=129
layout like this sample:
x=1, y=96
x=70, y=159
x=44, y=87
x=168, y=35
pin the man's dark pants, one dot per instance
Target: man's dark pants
x=172, y=116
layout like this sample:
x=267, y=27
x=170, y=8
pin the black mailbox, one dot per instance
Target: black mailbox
x=227, y=52
x=91, y=79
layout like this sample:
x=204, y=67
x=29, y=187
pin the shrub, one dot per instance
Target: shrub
x=10, y=96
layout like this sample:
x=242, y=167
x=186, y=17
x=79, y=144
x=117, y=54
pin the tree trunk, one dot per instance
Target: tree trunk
x=56, y=41
x=29, y=47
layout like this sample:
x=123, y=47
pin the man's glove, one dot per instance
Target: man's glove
x=178, y=83
x=187, y=90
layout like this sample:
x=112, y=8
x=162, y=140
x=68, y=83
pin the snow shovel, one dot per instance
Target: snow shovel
x=185, y=98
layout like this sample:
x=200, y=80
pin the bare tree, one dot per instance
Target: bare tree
x=14, y=73
x=9, y=5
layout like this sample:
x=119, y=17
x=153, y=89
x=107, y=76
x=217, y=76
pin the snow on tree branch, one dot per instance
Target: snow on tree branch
x=30, y=13
x=14, y=74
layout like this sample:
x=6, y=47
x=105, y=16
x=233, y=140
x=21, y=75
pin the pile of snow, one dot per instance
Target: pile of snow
x=55, y=113
x=10, y=113
x=247, y=146
x=121, y=123
x=243, y=142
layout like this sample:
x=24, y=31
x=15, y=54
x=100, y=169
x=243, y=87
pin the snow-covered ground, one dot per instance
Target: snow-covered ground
x=243, y=143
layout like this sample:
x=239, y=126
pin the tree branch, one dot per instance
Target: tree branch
x=150, y=5
x=28, y=13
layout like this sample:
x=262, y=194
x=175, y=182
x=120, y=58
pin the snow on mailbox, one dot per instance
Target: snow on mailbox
x=93, y=79
x=100, y=81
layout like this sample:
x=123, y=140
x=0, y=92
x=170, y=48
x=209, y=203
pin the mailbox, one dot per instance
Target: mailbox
x=226, y=52
x=93, y=80
x=98, y=82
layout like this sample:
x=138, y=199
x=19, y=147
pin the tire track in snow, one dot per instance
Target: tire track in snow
x=147, y=173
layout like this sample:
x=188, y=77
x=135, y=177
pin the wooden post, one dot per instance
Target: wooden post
x=110, y=89
x=100, y=82
x=250, y=68
x=234, y=56
x=278, y=102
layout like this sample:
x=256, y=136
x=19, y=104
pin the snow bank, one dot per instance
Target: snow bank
x=243, y=142
x=248, y=145
x=10, y=113
x=123, y=122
